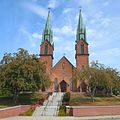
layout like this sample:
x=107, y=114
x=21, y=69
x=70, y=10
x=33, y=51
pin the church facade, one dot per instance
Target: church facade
x=61, y=73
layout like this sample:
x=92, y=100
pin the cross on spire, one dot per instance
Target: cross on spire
x=64, y=54
x=48, y=33
x=81, y=31
x=49, y=8
x=80, y=7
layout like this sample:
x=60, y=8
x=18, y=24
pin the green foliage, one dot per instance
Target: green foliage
x=23, y=99
x=85, y=100
x=31, y=98
x=37, y=99
x=102, y=79
x=22, y=72
x=5, y=93
x=66, y=97
x=62, y=111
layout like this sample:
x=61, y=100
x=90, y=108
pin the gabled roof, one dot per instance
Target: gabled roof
x=61, y=60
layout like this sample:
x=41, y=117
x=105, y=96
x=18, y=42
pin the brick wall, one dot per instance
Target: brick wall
x=62, y=71
x=94, y=111
x=13, y=111
x=81, y=59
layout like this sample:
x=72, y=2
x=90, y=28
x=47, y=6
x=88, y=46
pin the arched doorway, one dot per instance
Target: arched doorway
x=63, y=86
x=84, y=87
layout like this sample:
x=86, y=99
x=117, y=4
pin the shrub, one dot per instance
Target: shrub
x=66, y=97
x=30, y=98
x=62, y=111
x=49, y=93
x=29, y=112
x=37, y=99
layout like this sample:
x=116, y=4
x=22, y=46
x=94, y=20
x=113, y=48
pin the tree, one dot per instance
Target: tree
x=97, y=79
x=22, y=72
x=112, y=79
x=80, y=76
x=102, y=77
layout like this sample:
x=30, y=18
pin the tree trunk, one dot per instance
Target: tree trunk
x=93, y=94
x=15, y=95
x=111, y=93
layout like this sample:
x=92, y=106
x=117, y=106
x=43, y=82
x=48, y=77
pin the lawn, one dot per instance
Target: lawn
x=23, y=99
x=84, y=100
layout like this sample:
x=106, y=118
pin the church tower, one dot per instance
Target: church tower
x=81, y=46
x=47, y=45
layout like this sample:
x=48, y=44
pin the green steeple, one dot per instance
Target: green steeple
x=48, y=33
x=81, y=31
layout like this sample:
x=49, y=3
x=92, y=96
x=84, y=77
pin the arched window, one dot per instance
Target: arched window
x=63, y=65
x=46, y=49
x=82, y=49
x=82, y=68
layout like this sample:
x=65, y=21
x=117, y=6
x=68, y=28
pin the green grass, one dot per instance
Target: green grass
x=79, y=100
x=23, y=99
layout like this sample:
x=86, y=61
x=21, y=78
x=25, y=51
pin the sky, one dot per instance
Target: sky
x=22, y=23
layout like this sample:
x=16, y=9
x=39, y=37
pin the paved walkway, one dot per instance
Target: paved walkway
x=51, y=106
x=64, y=118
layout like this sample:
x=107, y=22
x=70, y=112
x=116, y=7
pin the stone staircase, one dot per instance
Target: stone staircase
x=51, y=106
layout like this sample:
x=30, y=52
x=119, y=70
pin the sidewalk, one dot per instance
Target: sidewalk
x=116, y=117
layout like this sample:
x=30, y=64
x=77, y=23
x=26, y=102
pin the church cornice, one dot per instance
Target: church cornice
x=47, y=55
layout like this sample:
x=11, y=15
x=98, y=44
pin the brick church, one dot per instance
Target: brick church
x=61, y=73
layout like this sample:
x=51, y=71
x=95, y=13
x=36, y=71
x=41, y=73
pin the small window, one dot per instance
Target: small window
x=82, y=68
x=46, y=49
x=82, y=49
x=63, y=65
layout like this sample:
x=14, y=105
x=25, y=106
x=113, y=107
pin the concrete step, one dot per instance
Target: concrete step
x=51, y=106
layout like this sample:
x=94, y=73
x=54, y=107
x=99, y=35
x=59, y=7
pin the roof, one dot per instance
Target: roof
x=81, y=30
x=61, y=59
x=48, y=33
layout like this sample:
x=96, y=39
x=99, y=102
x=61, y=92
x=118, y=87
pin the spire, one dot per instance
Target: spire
x=48, y=33
x=81, y=31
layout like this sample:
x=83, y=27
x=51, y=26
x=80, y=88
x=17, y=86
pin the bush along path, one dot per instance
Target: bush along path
x=51, y=106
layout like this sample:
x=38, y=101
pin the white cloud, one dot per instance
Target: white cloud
x=65, y=30
x=35, y=0
x=53, y=4
x=66, y=10
x=105, y=22
x=36, y=36
x=27, y=36
x=109, y=57
x=100, y=18
x=37, y=9
x=84, y=2
x=56, y=39
x=106, y=3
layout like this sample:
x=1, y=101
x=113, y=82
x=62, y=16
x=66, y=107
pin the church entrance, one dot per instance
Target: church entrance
x=84, y=87
x=63, y=86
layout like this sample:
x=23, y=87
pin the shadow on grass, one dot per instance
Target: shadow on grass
x=23, y=99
